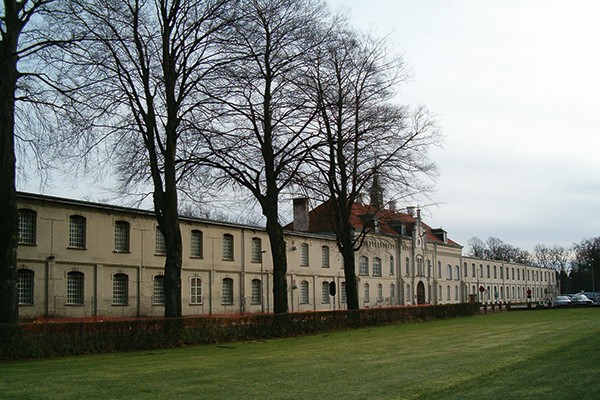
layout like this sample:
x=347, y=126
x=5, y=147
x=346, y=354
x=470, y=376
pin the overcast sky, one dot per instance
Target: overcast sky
x=516, y=87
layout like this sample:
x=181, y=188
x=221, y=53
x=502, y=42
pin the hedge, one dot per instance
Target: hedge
x=40, y=340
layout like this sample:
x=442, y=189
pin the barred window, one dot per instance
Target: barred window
x=27, y=225
x=120, y=289
x=343, y=292
x=325, y=256
x=196, y=245
x=160, y=245
x=25, y=286
x=256, y=292
x=325, y=293
x=227, y=294
x=377, y=266
x=366, y=292
x=122, y=236
x=256, y=250
x=158, y=296
x=363, y=265
x=75, y=288
x=196, y=291
x=304, y=255
x=77, y=232
x=228, y=247
x=304, y=292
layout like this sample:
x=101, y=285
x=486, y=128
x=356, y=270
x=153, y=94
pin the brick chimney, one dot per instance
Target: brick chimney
x=301, y=214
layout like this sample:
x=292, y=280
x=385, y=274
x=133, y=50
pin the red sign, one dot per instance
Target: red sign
x=529, y=292
x=481, y=289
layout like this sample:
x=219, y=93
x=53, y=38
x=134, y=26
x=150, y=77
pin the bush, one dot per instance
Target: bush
x=38, y=340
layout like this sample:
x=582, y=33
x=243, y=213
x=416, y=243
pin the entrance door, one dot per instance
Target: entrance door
x=420, y=293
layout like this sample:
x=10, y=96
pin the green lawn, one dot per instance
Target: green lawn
x=550, y=354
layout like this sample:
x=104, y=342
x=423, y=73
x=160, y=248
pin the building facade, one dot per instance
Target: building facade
x=81, y=259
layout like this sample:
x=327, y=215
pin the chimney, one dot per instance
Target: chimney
x=392, y=205
x=301, y=214
x=410, y=211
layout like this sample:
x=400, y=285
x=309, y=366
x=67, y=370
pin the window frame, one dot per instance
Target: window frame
x=120, y=295
x=75, y=288
x=27, y=220
x=196, y=294
x=196, y=244
x=25, y=287
x=228, y=247
x=77, y=232
x=122, y=236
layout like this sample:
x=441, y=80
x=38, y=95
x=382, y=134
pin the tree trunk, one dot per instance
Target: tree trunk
x=346, y=247
x=9, y=310
x=278, y=253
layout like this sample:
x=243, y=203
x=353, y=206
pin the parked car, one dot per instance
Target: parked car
x=561, y=301
x=581, y=299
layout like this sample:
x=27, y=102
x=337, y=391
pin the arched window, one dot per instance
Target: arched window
x=407, y=262
x=77, y=232
x=439, y=269
x=227, y=294
x=392, y=266
x=366, y=293
x=304, y=299
x=160, y=245
x=256, y=291
x=392, y=291
x=120, y=289
x=196, y=290
x=473, y=271
x=325, y=292
x=488, y=271
x=75, y=288
x=380, y=292
x=228, y=247
x=325, y=256
x=196, y=244
x=448, y=292
x=121, y=236
x=363, y=265
x=304, y=255
x=158, y=296
x=25, y=286
x=256, y=250
x=449, y=271
x=27, y=226
x=457, y=274
x=495, y=272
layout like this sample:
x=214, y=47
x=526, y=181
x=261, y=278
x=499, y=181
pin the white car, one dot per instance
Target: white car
x=581, y=299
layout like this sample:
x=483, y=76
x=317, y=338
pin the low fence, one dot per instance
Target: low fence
x=40, y=340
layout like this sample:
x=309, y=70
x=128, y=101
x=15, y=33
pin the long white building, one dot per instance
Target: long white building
x=82, y=259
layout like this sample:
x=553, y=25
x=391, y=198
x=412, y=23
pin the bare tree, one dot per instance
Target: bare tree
x=476, y=248
x=18, y=43
x=364, y=136
x=258, y=134
x=140, y=73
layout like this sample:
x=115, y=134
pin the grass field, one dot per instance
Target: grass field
x=550, y=354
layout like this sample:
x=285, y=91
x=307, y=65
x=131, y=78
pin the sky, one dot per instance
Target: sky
x=515, y=85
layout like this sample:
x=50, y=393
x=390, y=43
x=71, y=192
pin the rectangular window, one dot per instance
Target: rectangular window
x=227, y=294
x=25, y=287
x=196, y=291
x=160, y=245
x=366, y=293
x=343, y=293
x=256, y=250
x=120, y=289
x=158, y=296
x=228, y=247
x=325, y=256
x=196, y=245
x=122, y=237
x=256, y=292
x=75, y=288
x=77, y=232
x=27, y=219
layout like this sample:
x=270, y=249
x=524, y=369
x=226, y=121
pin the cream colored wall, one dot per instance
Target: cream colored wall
x=51, y=260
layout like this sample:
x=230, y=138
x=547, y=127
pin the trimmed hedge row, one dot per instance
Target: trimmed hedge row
x=39, y=340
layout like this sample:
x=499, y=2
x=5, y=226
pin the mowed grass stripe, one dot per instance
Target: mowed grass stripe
x=550, y=354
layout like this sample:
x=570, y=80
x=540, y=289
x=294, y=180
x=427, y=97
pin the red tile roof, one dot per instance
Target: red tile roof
x=390, y=222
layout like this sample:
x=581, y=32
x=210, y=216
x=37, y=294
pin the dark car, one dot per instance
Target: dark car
x=561, y=301
x=581, y=299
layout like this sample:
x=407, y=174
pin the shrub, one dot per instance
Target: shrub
x=37, y=340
